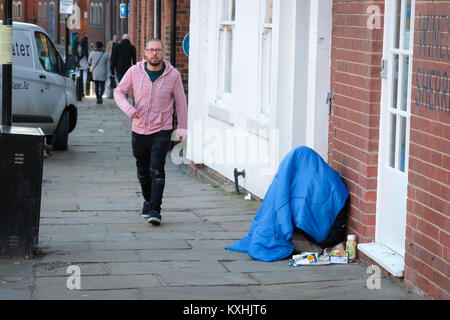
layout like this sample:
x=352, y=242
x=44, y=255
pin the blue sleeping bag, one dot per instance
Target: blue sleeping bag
x=306, y=193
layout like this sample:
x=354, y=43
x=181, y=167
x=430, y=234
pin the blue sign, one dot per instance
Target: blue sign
x=186, y=44
x=123, y=10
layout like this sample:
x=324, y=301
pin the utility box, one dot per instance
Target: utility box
x=21, y=166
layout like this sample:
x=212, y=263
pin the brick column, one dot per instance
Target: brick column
x=427, y=256
x=354, y=122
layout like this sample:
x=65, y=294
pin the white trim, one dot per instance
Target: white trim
x=311, y=102
x=385, y=257
x=259, y=127
x=219, y=112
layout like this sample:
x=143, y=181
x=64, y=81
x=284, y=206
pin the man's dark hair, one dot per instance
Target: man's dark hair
x=99, y=44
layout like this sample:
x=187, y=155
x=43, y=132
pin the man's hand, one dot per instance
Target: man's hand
x=135, y=116
x=179, y=135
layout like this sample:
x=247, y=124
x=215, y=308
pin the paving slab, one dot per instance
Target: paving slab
x=193, y=278
x=56, y=287
x=155, y=267
x=332, y=290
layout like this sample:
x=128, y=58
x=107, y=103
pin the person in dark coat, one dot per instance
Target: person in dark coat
x=123, y=57
x=84, y=47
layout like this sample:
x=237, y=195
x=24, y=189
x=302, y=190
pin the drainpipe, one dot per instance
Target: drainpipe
x=157, y=22
x=127, y=14
x=7, y=67
x=111, y=19
x=173, y=36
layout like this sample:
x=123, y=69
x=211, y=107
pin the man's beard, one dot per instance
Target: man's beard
x=153, y=64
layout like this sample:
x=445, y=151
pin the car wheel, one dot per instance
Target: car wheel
x=61, y=136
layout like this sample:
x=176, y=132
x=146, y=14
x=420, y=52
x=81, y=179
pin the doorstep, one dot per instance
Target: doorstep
x=385, y=257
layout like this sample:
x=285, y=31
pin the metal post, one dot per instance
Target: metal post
x=67, y=38
x=157, y=22
x=7, y=72
x=126, y=16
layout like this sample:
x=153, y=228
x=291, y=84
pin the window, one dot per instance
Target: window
x=265, y=65
x=19, y=10
x=225, y=48
x=44, y=12
x=100, y=14
x=48, y=56
x=91, y=17
x=399, y=109
x=39, y=10
x=96, y=16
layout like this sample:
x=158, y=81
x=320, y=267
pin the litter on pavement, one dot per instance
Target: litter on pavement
x=335, y=255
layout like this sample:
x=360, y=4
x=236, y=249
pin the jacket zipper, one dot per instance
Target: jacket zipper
x=150, y=105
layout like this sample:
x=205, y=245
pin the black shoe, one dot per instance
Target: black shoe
x=155, y=218
x=146, y=210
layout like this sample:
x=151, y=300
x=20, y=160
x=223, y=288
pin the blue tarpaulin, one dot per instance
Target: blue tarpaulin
x=305, y=193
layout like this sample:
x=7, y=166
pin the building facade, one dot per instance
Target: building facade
x=258, y=85
x=363, y=83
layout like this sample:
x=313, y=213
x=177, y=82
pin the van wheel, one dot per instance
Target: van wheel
x=61, y=136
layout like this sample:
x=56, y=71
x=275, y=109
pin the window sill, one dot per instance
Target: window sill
x=221, y=112
x=259, y=126
x=385, y=257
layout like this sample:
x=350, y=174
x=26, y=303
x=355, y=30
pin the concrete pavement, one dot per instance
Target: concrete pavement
x=91, y=223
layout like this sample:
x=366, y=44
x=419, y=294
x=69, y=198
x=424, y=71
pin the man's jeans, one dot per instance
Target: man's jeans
x=150, y=152
x=99, y=88
x=119, y=75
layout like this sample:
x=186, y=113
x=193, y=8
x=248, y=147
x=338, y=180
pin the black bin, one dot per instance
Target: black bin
x=21, y=165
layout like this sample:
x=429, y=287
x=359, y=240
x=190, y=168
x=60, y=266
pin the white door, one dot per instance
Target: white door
x=394, y=125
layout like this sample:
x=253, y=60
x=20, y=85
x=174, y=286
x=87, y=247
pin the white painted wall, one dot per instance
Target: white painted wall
x=298, y=83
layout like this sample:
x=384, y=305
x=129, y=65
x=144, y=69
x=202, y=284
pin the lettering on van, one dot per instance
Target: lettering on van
x=22, y=85
x=21, y=50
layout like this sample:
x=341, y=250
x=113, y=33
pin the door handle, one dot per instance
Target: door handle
x=42, y=76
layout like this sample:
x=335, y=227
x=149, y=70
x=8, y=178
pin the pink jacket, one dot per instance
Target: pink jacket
x=153, y=101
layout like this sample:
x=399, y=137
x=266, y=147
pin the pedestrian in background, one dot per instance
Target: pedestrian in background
x=84, y=46
x=123, y=57
x=112, y=79
x=98, y=60
x=157, y=85
x=74, y=45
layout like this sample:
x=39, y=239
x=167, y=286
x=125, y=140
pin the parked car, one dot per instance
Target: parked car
x=43, y=93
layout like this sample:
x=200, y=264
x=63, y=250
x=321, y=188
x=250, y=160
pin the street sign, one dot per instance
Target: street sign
x=66, y=6
x=186, y=45
x=123, y=10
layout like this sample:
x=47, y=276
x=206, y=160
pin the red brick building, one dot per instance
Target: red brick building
x=389, y=134
x=23, y=11
x=146, y=23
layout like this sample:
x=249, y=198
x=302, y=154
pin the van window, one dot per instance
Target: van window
x=48, y=56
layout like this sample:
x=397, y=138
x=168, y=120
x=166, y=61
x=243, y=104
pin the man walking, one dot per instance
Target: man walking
x=75, y=48
x=123, y=57
x=156, y=85
x=84, y=45
x=110, y=47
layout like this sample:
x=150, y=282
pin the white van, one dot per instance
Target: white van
x=43, y=94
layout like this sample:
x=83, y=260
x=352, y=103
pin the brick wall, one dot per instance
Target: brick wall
x=428, y=210
x=354, y=123
x=141, y=25
x=354, y=134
